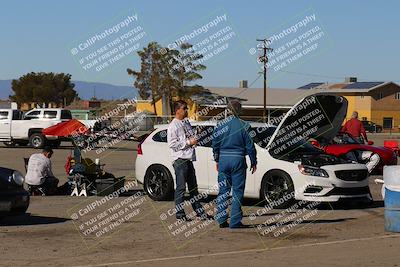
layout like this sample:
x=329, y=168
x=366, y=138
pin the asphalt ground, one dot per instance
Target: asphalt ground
x=135, y=231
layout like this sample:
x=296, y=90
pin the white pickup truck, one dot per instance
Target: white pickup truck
x=17, y=128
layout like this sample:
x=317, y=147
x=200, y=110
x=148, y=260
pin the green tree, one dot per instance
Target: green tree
x=44, y=88
x=166, y=72
x=186, y=65
x=149, y=79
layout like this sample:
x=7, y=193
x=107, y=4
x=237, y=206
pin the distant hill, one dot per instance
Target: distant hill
x=85, y=90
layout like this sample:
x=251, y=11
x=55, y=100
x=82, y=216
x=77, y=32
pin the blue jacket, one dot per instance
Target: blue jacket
x=231, y=137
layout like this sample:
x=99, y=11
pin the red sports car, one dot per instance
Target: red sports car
x=343, y=143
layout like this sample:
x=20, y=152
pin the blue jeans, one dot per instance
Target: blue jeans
x=185, y=174
x=231, y=174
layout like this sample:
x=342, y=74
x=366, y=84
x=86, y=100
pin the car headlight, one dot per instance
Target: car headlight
x=312, y=171
x=18, y=178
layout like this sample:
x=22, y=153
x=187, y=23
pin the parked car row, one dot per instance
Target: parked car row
x=288, y=163
x=372, y=127
x=284, y=167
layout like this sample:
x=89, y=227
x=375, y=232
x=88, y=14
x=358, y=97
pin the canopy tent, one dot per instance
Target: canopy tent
x=66, y=128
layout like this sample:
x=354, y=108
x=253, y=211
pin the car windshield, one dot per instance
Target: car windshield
x=304, y=147
x=344, y=138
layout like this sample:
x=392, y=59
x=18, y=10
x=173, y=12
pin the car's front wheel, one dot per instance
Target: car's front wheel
x=158, y=183
x=277, y=189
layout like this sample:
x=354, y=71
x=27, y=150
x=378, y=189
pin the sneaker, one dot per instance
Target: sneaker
x=224, y=225
x=239, y=226
x=205, y=217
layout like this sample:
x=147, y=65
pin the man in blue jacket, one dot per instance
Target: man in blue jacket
x=231, y=143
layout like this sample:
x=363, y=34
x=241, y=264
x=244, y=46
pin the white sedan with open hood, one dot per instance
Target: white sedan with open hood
x=288, y=165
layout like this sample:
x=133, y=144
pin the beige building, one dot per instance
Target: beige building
x=378, y=102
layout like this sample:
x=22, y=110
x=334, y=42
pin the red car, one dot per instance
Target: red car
x=344, y=143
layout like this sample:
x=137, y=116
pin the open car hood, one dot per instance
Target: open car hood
x=317, y=116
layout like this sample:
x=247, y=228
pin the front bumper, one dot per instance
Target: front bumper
x=13, y=202
x=343, y=183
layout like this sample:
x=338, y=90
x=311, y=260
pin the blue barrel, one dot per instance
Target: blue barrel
x=392, y=211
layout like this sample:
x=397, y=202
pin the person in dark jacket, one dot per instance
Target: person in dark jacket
x=231, y=143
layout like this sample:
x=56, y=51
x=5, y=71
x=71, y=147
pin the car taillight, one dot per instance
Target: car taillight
x=139, y=149
x=141, y=140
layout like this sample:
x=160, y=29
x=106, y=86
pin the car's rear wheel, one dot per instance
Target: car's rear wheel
x=277, y=189
x=37, y=140
x=158, y=183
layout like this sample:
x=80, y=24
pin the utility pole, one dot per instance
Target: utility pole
x=94, y=92
x=264, y=59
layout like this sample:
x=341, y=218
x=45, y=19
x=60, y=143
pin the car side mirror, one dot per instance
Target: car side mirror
x=370, y=143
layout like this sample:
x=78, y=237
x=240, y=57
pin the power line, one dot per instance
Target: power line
x=312, y=74
x=329, y=76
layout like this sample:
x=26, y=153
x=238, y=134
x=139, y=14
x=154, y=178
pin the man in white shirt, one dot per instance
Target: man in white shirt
x=182, y=141
x=39, y=172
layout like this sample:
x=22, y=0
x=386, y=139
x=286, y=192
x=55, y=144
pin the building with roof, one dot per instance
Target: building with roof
x=378, y=102
x=212, y=101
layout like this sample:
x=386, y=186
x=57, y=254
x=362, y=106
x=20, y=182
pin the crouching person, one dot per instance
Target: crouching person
x=39, y=173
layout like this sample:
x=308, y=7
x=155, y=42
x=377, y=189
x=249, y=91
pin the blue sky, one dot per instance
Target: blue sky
x=361, y=38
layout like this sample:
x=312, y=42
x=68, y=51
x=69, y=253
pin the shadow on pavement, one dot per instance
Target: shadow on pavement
x=28, y=219
x=325, y=221
x=349, y=205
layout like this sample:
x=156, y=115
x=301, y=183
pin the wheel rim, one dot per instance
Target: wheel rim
x=36, y=141
x=157, y=183
x=276, y=188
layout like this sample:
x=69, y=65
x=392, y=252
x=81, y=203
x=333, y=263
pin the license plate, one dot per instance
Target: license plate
x=5, y=206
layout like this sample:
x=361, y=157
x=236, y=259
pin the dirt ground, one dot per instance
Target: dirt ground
x=136, y=231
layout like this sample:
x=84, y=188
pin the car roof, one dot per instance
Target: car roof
x=214, y=123
x=47, y=109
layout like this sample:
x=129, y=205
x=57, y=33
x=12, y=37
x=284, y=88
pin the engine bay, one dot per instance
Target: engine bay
x=316, y=160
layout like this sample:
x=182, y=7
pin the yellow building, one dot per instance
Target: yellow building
x=378, y=102
x=208, y=104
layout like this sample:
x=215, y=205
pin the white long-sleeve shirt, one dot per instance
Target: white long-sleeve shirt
x=39, y=168
x=178, y=134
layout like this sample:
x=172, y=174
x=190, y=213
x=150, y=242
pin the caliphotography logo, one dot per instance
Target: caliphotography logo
x=218, y=133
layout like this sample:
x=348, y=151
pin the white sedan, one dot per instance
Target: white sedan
x=288, y=166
